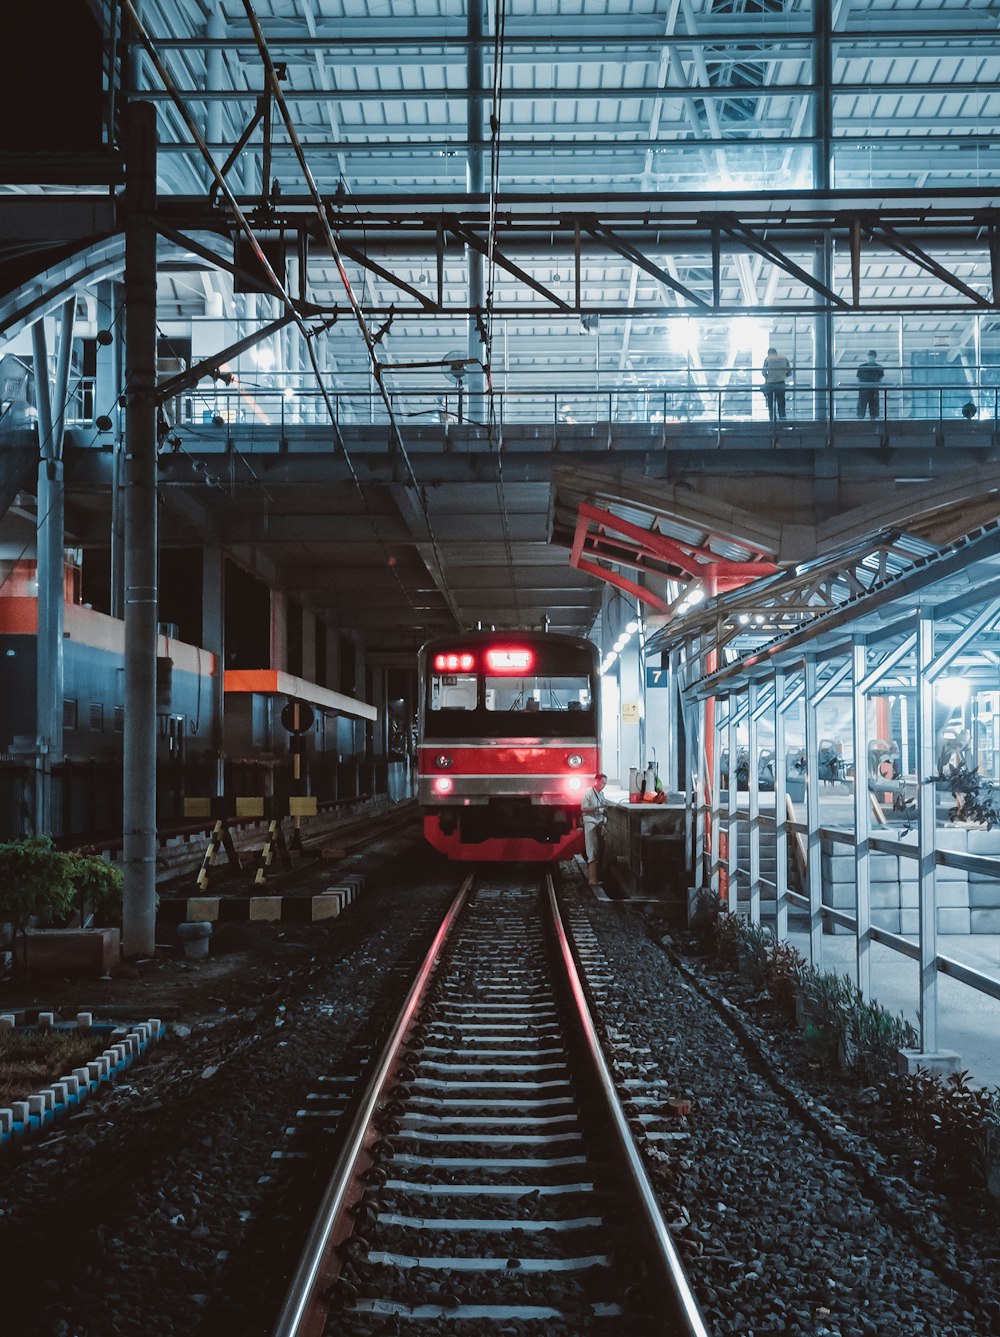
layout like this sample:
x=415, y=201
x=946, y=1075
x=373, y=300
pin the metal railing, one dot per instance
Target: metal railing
x=670, y=406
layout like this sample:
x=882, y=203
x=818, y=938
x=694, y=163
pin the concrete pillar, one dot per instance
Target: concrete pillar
x=139, y=812
x=631, y=711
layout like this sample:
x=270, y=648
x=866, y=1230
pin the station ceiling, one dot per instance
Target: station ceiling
x=487, y=226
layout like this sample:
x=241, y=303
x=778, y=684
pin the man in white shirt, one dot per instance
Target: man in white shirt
x=593, y=816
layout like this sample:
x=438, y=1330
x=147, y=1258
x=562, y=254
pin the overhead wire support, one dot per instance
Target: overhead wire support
x=240, y=217
x=323, y=208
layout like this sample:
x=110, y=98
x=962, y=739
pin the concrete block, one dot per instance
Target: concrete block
x=941, y=1061
x=945, y=874
x=950, y=838
x=952, y=895
x=984, y=895
x=981, y=841
x=265, y=908
x=7, y=1021
x=203, y=909
x=885, y=896
x=839, y=895
x=841, y=867
x=90, y=953
x=952, y=919
x=325, y=907
x=984, y=921
x=909, y=922
x=194, y=939
x=887, y=919
x=909, y=894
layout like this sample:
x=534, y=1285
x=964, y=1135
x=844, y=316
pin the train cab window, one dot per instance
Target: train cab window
x=549, y=694
x=453, y=691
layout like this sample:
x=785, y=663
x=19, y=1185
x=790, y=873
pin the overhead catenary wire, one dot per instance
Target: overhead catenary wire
x=493, y=435
x=245, y=227
x=331, y=241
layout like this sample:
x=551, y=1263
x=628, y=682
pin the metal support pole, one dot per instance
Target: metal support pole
x=139, y=810
x=926, y=837
x=813, y=842
x=824, y=394
x=862, y=815
x=714, y=799
x=732, y=815
x=780, y=812
x=753, y=803
x=475, y=349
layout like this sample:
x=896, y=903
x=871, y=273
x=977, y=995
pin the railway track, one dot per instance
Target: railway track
x=488, y=1180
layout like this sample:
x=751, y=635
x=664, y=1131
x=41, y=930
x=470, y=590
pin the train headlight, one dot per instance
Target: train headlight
x=574, y=784
x=574, y=760
x=444, y=784
x=443, y=761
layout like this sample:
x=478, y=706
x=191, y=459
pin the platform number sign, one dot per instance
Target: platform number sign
x=657, y=677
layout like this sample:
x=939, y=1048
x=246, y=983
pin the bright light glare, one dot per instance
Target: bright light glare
x=263, y=355
x=682, y=335
x=953, y=691
x=746, y=334
x=695, y=595
x=574, y=784
x=632, y=627
x=444, y=784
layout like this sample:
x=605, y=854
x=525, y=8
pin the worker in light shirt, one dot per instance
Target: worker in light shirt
x=592, y=810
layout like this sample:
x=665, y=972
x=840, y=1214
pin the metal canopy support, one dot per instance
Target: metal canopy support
x=753, y=809
x=926, y=836
x=862, y=811
x=139, y=809
x=780, y=810
x=714, y=723
x=732, y=813
x=814, y=874
x=51, y=402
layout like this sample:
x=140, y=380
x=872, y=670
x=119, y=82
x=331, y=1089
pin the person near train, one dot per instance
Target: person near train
x=593, y=813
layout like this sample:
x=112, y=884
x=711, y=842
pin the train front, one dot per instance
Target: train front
x=508, y=744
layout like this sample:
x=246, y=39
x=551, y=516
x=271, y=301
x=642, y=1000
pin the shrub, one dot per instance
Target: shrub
x=955, y=1119
x=97, y=888
x=783, y=969
x=34, y=881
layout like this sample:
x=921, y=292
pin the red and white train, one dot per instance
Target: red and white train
x=508, y=743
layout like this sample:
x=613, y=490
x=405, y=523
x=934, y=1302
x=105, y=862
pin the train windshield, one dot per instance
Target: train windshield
x=537, y=693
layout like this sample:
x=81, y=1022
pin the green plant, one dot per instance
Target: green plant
x=97, y=888
x=874, y=1038
x=783, y=969
x=754, y=945
x=705, y=917
x=955, y=1119
x=727, y=937
x=34, y=882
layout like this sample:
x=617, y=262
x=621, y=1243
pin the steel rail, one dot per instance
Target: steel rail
x=686, y=1313
x=303, y=1313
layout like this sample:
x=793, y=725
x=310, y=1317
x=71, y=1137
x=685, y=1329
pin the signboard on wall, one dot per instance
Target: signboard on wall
x=657, y=677
x=630, y=712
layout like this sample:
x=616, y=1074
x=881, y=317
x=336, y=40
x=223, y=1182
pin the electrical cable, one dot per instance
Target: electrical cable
x=493, y=436
x=245, y=226
x=331, y=242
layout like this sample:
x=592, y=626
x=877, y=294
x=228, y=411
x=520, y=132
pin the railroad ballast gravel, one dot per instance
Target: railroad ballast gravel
x=161, y=1209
